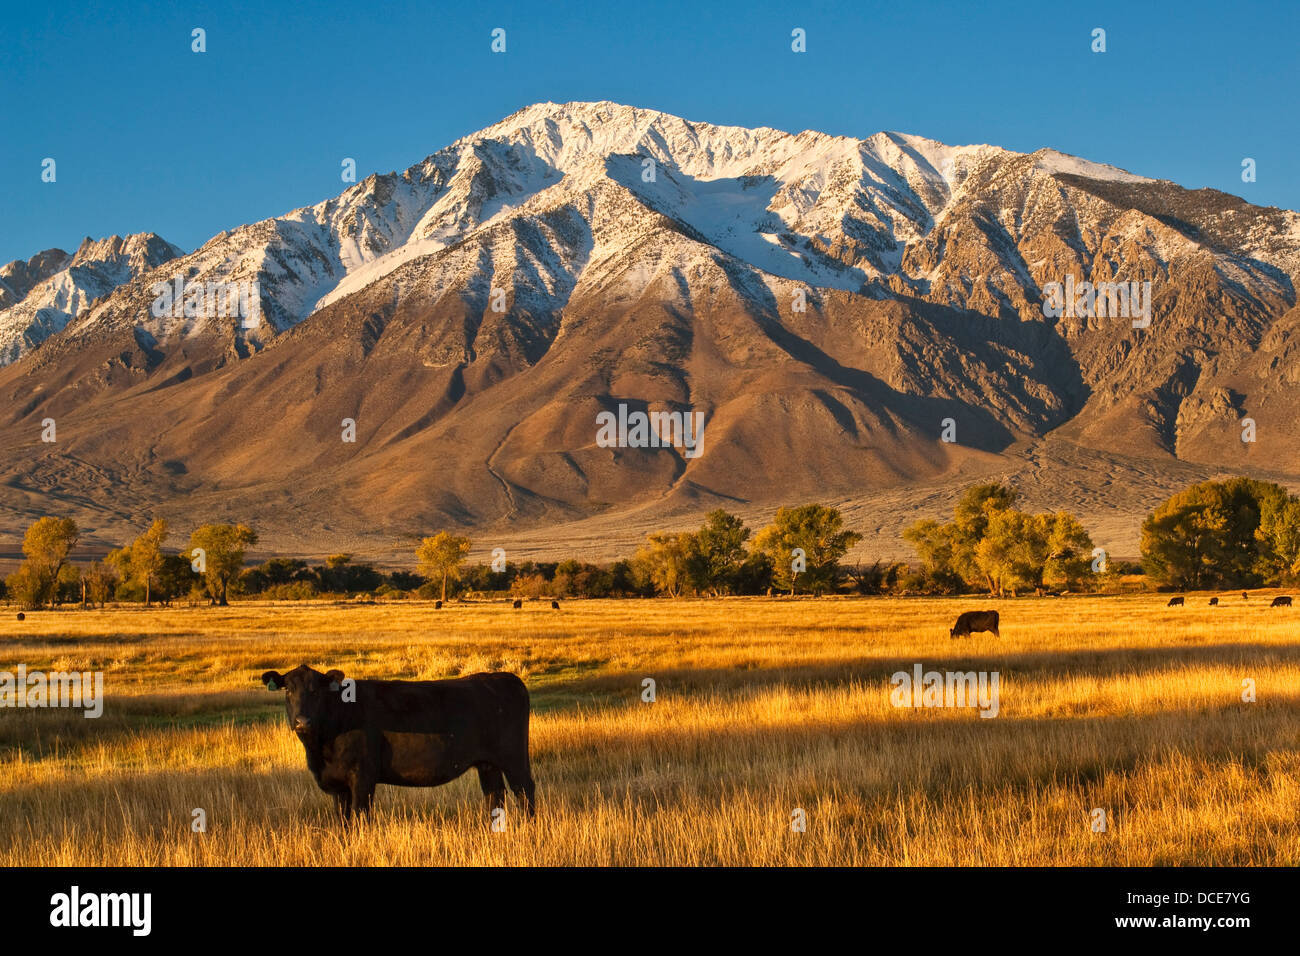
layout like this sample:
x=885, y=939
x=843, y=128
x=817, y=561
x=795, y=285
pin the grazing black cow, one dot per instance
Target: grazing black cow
x=1175, y=602
x=518, y=603
x=22, y=616
x=409, y=733
x=437, y=605
x=555, y=605
x=1282, y=601
x=1214, y=602
x=972, y=621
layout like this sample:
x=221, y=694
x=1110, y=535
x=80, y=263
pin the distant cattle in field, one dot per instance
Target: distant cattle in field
x=437, y=605
x=518, y=603
x=555, y=605
x=972, y=621
x=1175, y=602
x=1214, y=602
x=22, y=616
x=1283, y=601
x=409, y=734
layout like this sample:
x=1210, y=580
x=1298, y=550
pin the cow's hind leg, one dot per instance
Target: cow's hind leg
x=493, y=782
x=521, y=783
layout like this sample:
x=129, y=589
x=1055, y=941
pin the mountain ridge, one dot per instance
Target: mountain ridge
x=647, y=259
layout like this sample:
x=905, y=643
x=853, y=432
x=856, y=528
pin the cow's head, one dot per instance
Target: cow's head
x=312, y=699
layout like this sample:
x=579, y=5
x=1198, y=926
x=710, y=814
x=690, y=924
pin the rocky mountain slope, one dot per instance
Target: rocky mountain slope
x=833, y=306
x=41, y=296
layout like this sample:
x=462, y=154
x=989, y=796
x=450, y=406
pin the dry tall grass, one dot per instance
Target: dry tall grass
x=763, y=706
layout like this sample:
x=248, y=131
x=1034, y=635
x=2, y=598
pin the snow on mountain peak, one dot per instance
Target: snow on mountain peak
x=67, y=285
x=1052, y=161
x=831, y=212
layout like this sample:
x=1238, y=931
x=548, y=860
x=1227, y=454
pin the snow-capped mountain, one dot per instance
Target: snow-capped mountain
x=42, y=295
x=829, y=212
x=826, y=301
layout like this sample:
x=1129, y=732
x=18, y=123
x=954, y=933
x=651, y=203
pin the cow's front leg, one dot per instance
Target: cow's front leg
x=363, y=793
x=343, y=805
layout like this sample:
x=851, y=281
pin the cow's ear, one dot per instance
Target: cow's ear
x=335, y=678
x=273, y=680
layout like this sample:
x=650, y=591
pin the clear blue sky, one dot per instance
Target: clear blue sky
x=150, y=136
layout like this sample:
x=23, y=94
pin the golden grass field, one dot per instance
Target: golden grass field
x=763, y=705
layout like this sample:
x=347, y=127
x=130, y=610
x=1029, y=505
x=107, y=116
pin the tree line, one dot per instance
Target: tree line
x=799, y=551
x=1236, y=533
x=139, y=572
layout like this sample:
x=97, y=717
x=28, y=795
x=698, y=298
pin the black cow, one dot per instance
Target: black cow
x=1214, y=602
x=518, y=604
x=975, y=621
x=437, y=605
x=1175, y=602
x=555, y=605
x=22, y=616
x=409, y=733
x=1282, y=601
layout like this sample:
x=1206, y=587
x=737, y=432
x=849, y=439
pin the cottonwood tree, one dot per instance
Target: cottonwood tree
x=70, y=586
x=991, y=544
x=47, y=544
x=717, y=552
x=819, y=532
x=934, y=543
x=970, y=526
x=664, y=562
x=442, y=557
x=1006, y=552
x=223, y=547
x=175, y=578
x=147, y=556
x=1209, y=535
x=24, y=587
x=1069, y=551
x=1279, y=537
x=567, y=572
x=100, y=580
x=1021, y=550
x=119, y=561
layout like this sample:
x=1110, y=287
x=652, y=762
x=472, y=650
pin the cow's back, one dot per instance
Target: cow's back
x=970, y=621
x=481, y=712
